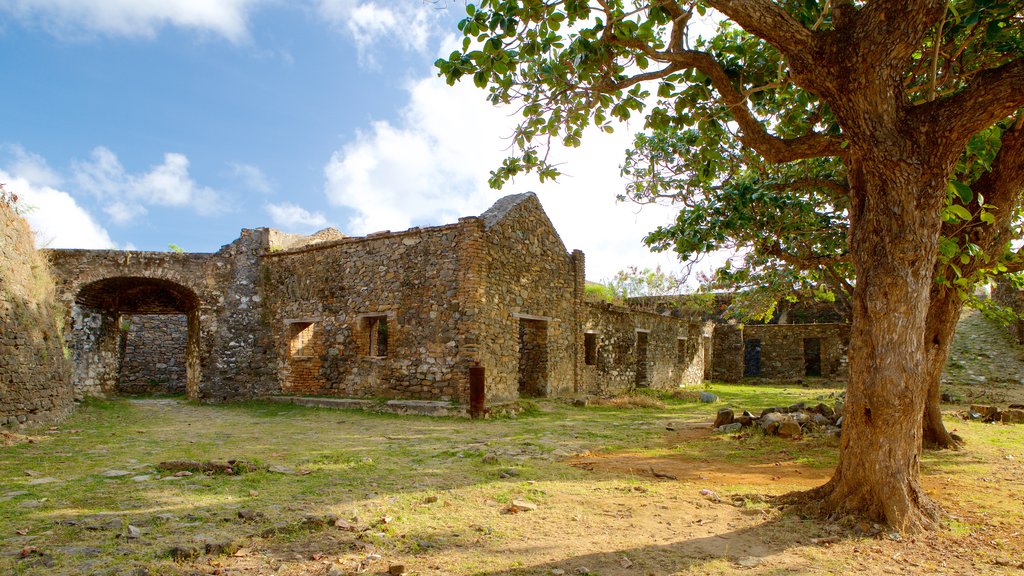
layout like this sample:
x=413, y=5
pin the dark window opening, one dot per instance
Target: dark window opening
x=533, y=357
x=642, y=380
x=812, y=356
x=752, y=357
x=590, y=349
x=681, y=351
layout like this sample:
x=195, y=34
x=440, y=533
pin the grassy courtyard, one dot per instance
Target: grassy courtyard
x=557, y=490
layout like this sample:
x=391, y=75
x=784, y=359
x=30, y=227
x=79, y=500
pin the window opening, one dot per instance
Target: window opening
x=300, y=339
x=377, y=329
x=590, y=349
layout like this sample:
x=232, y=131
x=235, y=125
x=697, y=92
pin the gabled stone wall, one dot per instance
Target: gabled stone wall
x=527, y=276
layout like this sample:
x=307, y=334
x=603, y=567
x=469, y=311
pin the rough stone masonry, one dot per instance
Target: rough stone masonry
x=389, y=315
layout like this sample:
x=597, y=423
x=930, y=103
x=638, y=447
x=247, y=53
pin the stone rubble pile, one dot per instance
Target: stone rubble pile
x=1014, y=414
x=787, y=422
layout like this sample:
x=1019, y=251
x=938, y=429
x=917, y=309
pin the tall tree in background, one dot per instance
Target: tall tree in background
x=893, y=90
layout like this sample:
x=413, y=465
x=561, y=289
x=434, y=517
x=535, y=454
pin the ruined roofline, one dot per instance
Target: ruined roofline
x=416, y=230
x=143, y=253
x=503, y=206
x=611, y=307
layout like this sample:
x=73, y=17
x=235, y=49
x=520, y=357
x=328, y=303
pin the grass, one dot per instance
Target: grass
x=429, y=492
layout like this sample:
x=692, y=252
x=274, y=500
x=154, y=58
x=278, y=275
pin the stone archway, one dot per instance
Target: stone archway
x=97, y=336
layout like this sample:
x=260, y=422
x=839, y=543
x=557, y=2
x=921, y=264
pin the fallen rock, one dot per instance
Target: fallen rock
x=771, y=421
x=987, y=413
x=729, y=428
x=1012, y=416
x=522, y=506
x=115, y=473
x=789, y=429
x=184, y=553
x=725, y=416
x=396, y=569
x=708, y=398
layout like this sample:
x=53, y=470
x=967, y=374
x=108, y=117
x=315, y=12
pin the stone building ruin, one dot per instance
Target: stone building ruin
x=399, y=315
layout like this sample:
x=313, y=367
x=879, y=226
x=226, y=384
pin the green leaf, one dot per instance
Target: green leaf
x=962, y=190
x=959, y=211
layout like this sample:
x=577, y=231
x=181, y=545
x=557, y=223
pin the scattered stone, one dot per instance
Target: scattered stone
x=725, y=417
x=729, y=428
x=771, y=421
x=141, y=478
x=1012, y=416
x=774, y=410
x=430, y=499
x=521, y=506
x=789, y=429
x=43, y=480
x=184, y=553
x=181, y=474
x=708, y=398
x=133, y=532
x=248, y=515
x=221, y=548
x=557, y=572
x=396, y=569
x=115, y=473
x=282, y=470
x=987, y=412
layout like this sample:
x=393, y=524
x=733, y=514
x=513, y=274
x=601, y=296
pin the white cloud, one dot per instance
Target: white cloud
x=292, y=217
x=126, y=195
x=251, y=178
x=369, y=23
x=32, y=167
x=431, y=166
x=134, y=18
x=58, y=221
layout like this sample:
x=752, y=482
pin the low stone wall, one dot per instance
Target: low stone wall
x=1006, y=294
x=617, y=360
x=35, y=376
x=153, y=354
x=727, y=352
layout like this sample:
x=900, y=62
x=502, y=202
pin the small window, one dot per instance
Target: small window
x=300, y=339
x=376, y=329
x=681, y=351
x=590, y=349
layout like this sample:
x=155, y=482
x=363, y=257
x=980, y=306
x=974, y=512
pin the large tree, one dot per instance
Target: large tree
x=855, y=81
x=790, y=224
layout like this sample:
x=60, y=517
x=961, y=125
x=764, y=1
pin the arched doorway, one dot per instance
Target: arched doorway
x=135, y=334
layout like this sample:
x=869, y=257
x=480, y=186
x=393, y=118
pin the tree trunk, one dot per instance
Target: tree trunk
x=943, y=314
x=894, y=231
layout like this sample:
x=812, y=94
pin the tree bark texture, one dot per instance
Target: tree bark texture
x=899, y=200
x=943, y=313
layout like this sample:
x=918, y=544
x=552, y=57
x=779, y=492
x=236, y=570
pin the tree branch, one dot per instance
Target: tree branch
x=753, y=132
x=989, y=96
x=768, y=20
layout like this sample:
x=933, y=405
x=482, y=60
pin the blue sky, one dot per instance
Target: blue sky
x=136, y=124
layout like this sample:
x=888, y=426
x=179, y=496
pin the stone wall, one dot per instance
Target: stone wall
x=343, y=290
x=35, y=376
x=152, y=351
x=1006, y=294
x=227, y=355
x=526, y=274
x=391, y=315
x=783, y=348
x=674, y=355
x=727, y=352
